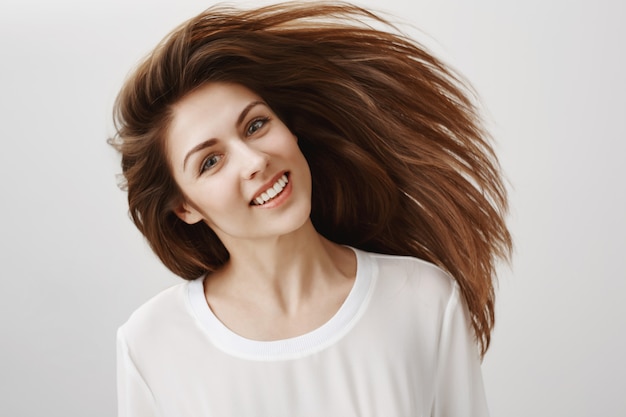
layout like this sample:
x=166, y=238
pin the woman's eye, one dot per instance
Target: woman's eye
x=256, y=125
x=210, y=162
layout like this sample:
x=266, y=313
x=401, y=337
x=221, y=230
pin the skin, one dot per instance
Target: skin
x=225, y=146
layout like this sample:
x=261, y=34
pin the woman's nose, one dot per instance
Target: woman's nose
x=252, y=160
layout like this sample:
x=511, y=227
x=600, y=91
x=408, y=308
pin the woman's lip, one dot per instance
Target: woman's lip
x=267, y=185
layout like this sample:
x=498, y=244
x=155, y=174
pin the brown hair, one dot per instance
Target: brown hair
x=399, y=159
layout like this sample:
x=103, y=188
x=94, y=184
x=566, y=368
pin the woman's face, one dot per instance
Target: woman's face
x=239, y=167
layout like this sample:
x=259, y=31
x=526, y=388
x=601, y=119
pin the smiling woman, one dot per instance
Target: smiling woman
x=328, y=192
x=249, y=153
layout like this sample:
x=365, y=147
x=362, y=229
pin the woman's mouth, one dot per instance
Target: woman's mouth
x=272, y=192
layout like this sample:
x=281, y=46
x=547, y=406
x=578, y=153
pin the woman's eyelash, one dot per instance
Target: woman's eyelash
x=256, y=124
x=210, y=162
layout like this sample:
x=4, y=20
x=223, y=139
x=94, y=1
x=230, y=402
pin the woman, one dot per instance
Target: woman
x=329, y=193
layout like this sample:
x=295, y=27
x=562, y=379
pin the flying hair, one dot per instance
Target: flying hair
x=399, y=158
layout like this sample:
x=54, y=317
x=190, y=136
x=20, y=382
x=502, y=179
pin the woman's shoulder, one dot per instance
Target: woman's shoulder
x=168, y=306
x=414, y=276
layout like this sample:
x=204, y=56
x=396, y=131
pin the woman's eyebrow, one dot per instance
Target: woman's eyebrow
x=247, y=109
x=199, y=147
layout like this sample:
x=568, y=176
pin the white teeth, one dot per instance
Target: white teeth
x=273, y=191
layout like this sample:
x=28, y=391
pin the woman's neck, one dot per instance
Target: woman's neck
x=299, y=280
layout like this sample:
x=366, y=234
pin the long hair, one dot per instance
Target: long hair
x=399, y=159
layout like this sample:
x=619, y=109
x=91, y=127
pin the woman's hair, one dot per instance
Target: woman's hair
x=399, y=159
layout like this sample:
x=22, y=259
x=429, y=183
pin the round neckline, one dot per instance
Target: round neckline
x=315, y=340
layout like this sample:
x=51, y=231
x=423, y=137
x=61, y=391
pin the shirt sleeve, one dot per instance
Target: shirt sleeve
x=459, y=386
x=134, y=398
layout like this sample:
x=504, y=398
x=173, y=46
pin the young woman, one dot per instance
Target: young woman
x=328, y=192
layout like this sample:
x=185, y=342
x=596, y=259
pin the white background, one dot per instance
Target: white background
x=551, y=77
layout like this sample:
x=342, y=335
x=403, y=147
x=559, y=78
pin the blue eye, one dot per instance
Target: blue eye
x=210, y=162
x=256, y=125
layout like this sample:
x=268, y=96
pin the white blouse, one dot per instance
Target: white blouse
x=400, y=345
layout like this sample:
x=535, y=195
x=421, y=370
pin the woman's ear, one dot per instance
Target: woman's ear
x=187, y=213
